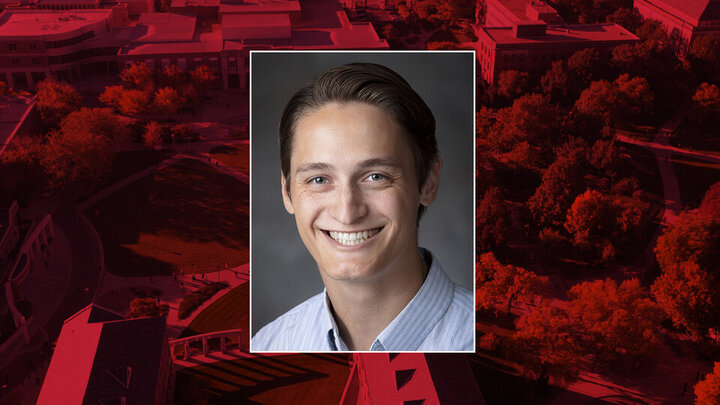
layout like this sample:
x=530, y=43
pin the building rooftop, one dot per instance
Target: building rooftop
x=557, y=34
x=164, y=27
x=690, y=10
x=37, y=23
x=519, y=7
x=256, y=20
x=100, y=356
x=256, y=6
x=358, y=36
x=195, y=3
x=84, y=2
x=200, y=42
x=246, y=26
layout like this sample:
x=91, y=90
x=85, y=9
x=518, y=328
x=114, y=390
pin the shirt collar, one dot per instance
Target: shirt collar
x=412, y=325
x=328, y=325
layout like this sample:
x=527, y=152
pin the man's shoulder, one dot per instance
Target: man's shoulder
x=285, y=329
x=456, y=328
x=463, y=299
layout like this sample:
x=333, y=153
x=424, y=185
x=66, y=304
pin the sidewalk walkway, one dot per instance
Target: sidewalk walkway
x=660, y=145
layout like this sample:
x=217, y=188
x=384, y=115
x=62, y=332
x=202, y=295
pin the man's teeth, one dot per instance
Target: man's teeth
x=353, y=238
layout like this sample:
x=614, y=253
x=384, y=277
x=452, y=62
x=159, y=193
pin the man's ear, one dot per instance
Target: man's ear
x=286, y=197
x=432, y=183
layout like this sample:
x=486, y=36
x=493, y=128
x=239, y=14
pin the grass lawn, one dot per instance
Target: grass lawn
x=187, y=216
x=231, y=311
x=128, y=163
x=235, y=156
x=694, y=178
x=288, y=379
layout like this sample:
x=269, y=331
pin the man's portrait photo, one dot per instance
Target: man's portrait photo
x=362, y=208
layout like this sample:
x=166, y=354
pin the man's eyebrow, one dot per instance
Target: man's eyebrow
x=375, y=162
x=310, y=167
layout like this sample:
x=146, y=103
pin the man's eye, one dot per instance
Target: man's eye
x=376, y=177
x=318, y=180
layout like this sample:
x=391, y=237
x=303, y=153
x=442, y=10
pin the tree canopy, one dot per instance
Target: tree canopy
x=491, y=221
x=80, y=153
x=561, y=183
x=693, y=238
x=690, y=296
x=547, y=344
x=604, y=225
x=55, y=100
x=707, y=391
x=620, y=318
x=138, y=76
x=499, y=285
x=144, y=307
x=531, y=118
x=619, y=101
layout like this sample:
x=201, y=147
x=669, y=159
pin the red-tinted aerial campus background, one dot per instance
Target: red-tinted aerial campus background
x=123, y=181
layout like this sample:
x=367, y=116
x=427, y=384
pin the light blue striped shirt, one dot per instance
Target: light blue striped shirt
x=438, y=318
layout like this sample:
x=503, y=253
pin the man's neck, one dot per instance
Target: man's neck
x=363, y=309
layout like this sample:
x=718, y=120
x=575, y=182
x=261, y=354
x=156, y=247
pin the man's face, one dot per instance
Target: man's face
x=354, y=191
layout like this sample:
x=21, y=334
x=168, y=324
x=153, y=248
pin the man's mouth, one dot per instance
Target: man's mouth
x=353, y=238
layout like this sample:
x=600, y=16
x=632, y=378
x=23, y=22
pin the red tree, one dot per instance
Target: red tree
x=492, y=221
x=138, y=76
x=604, y=225
x=80, y=153
x=499, y=285
x=547, y=344
x=144, y=307
x=619, y=318
x=561, y=183
x=690, y=296
x=511, y=84
x=710, y=205
x=168, y=101
x=55, y=100
x=531, y=118
x=707, y=391
x=693, y=238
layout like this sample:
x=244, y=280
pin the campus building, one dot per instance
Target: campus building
x=191, y=35
x=506, y=13
x=134, y=7
x=527, y=36
x=35, y=44
x=102, y=358
x=533, y=46
x=684, y=20
x=218, y=33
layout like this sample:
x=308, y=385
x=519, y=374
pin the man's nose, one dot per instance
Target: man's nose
x=349, y=206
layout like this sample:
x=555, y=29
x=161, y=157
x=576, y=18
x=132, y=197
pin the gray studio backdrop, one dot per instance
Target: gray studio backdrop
x=283, y=274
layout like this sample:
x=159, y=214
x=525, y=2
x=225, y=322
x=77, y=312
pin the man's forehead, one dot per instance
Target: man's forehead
x=388, y=163
x=356, y=134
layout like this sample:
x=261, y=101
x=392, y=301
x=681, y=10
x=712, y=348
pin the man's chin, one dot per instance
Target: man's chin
x=351, y=272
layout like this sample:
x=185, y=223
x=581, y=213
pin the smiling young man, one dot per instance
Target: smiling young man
x=359, y=166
